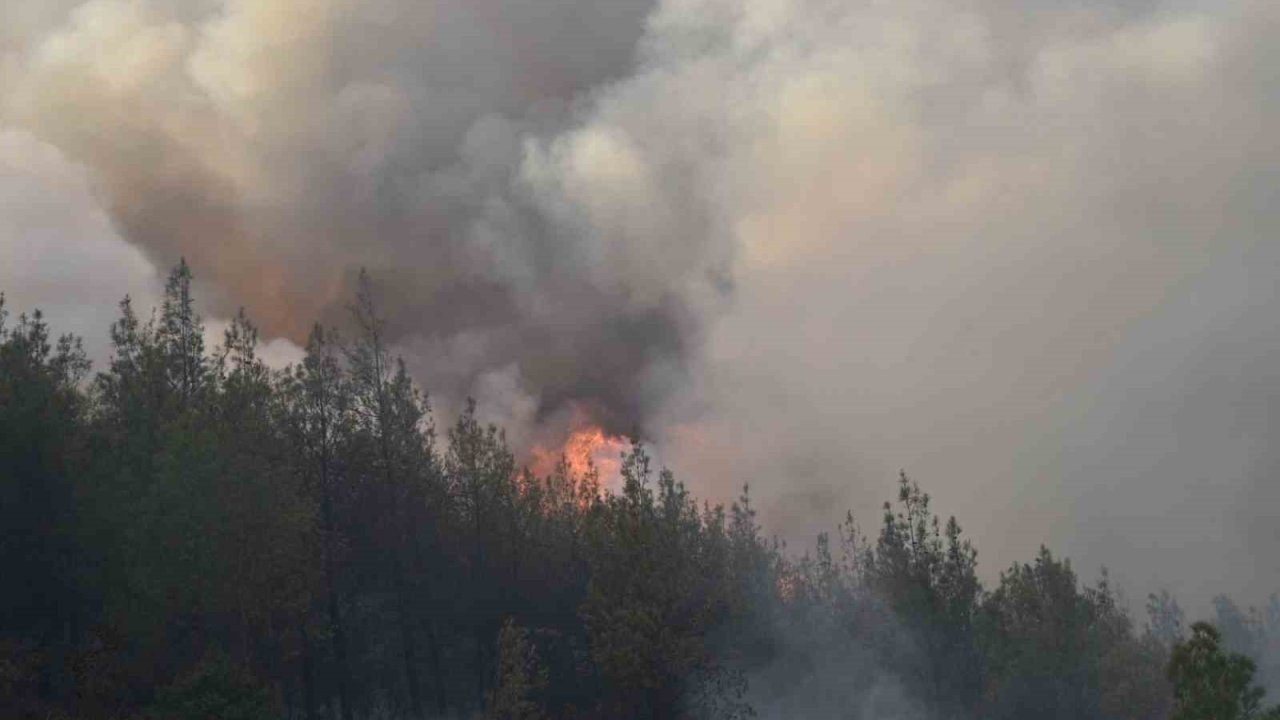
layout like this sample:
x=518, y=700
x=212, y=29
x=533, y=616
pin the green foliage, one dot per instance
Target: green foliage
x=1253, y=632
x=195, y=535
x=928, y=574
x=1213, y=684
x=215, y=690
x=1055, y=649
x=651, y=596
x=521, y=678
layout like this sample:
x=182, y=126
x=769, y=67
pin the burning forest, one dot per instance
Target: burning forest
x=193, y=534
x=379, y=359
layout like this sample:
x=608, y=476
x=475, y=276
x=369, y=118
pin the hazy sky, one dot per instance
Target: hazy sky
x=1025, y=250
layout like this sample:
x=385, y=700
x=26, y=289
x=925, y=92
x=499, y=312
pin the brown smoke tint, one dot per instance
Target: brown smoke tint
x=280, y=146
x=1024, y=249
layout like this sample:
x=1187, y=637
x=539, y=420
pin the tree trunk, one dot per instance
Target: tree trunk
x=409, y=648
x=437, y=669
x=308, y=673
x=335, y=615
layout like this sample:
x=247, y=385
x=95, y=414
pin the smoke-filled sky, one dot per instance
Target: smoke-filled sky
x=1025, y=250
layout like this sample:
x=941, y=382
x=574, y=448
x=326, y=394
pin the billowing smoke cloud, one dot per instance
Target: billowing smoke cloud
x=280, y=146
x=1024, y=249
x=1021, y=249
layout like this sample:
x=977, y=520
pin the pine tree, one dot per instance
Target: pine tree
x=520, y=679
x=320, y=419
x=181, y=337
x=394, y=419
x=927, y=574
x=42, y=423
x=1213, y=684
x=480, y=471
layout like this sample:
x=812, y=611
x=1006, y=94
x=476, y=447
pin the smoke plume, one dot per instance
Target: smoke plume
x=1024, y=249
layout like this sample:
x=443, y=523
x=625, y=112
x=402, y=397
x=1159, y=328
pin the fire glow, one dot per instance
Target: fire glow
x=586, y=448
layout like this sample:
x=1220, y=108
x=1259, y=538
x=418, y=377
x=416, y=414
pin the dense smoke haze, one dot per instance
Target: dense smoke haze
x=1025, y=250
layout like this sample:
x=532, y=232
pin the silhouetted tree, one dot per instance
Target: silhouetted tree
x=320, y=417
x=520, y=679
x=927, y=574
x=43, y=608
x=192, y=534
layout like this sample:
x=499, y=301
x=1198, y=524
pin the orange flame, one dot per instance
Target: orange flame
x=585, y=448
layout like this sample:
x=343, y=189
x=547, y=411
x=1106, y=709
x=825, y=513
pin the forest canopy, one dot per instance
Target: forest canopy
x=190, y=534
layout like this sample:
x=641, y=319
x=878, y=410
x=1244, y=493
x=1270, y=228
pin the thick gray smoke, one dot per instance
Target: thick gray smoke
x=1025, y=249
x=280, y=146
